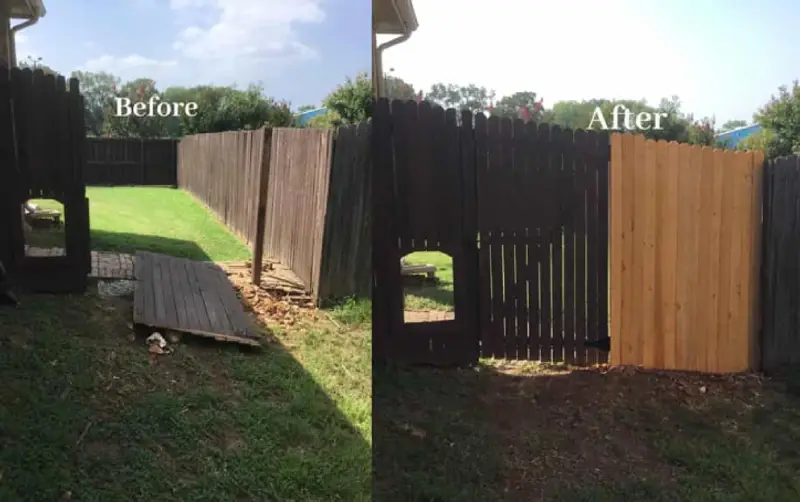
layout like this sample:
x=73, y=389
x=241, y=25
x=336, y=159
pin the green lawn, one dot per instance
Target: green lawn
x=424, y=295
x=83, y=416
x=162, y=220
x=527, y=433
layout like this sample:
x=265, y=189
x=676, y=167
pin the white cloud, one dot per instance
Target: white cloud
x=252, y=29
x=128, y=67
x=223, y=41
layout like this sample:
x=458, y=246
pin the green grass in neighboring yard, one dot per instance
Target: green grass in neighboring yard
x=424, y=295
x=162, y=220
x=84, y=416
x=529, y=433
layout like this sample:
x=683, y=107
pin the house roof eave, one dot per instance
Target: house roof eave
x=27, y=9
x=388, y=21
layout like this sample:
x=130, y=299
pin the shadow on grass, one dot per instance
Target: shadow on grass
x=422, y=293
x=121, y=243
x=84, y=416
x=529, y=434
x=130, y=243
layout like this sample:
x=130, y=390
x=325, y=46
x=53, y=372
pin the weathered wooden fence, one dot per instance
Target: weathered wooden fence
x=685, y=227
x=299, y=196
x=346, y=259
x=780, y=278
x=131, y=162
x=223, y=171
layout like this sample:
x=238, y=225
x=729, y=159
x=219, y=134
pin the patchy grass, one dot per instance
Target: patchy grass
x=84, y=416
x=529, y=433
x=353, y=311
x=161, y=220
x=430, y=295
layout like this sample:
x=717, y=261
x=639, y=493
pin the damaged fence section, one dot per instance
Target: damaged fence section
x=298, y=196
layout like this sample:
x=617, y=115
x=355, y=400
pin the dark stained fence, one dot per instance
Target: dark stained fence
x=131, y=162
x=543, y=225
x=424, y=200
x=521, y=209
x=780, y=279
x=41, y=156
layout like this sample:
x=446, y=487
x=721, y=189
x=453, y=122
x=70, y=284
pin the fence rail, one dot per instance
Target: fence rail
x=131, y=162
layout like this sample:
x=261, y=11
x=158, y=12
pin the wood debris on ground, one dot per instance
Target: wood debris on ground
x=283, y=304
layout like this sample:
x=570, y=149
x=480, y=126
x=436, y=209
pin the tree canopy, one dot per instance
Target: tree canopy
x=219, y=108
x=780, y=120
x=675, y=126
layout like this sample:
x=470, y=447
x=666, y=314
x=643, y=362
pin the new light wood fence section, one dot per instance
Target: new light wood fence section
x=685, y=226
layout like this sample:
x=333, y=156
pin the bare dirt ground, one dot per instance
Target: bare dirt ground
x=525, y=432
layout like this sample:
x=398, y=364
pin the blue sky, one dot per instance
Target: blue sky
x=722, y=58
x=299, y=50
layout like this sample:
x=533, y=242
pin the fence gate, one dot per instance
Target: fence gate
x=423, y=200
x=543, y=232
x=42, y=138
x=523, y=212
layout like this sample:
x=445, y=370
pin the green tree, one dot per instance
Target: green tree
x=675, y=125
x=227, y=109
x=781, y=117
x=470, y=97
x=119, y=126
x=36, y=64
x=327, y=120
x=99, y=90
x=509, y=106
x=733, y=124
x=702, y=132
x=397, y=88
x=352, y=101
x=762, y=140
x=306, y=108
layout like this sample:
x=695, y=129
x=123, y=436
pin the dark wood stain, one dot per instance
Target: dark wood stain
x=42, y=157
x=518, y=207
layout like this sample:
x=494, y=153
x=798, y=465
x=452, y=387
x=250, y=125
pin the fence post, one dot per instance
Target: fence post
x=141, y=159
x=174, y=164
x=261, y=213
